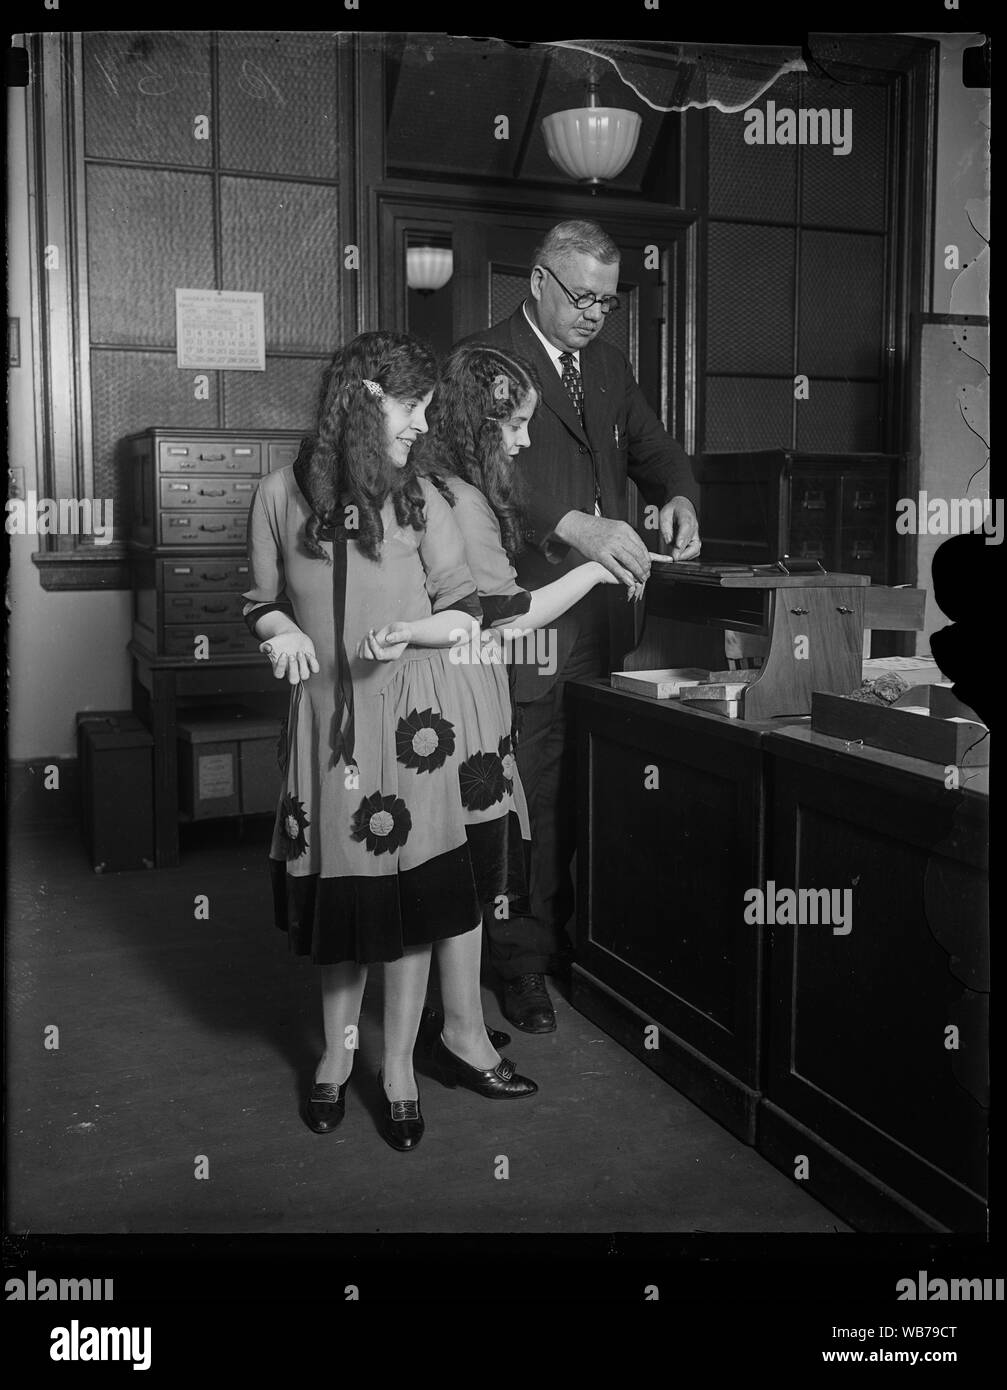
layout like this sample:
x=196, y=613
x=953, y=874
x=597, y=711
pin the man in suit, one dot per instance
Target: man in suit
x=592, y=429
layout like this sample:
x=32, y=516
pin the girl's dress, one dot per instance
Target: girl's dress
x=398, y=776
x=504, y=602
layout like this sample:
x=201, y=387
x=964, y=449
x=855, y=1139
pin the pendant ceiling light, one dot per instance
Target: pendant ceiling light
x=591, y=143
x=428, y=268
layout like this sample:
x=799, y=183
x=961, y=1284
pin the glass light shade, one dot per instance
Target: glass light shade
x=428, y=268
x=593, y=142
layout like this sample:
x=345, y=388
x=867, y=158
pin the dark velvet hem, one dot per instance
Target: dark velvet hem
x=470, y=604
x=498, y=607
x=371, y=919
x=260, y=612
x=374, y=919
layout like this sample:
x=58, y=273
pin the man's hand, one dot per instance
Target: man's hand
x=680, y=528
x=614, y=544
x=292, y=655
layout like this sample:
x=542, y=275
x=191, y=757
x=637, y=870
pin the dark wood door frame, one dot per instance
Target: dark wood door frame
x=398, y=205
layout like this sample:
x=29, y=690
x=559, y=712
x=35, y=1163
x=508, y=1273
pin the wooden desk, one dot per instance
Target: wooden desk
x=161, y=685
x=661, y=876
x=797, y=1039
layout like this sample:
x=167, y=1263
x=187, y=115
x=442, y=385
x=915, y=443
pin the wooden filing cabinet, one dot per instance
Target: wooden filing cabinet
x=838, y=509
x=191, y=492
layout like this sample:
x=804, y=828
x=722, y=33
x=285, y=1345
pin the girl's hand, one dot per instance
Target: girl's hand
x=292, y=655
x=605, y=576
x=386, y=643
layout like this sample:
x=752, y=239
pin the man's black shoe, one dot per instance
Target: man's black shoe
x=527, y=1004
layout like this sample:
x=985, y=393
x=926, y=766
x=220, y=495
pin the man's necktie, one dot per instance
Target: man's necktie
x=575, y=390
x=572, y=382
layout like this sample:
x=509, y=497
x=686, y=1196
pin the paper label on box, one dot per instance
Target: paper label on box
x=216, y=775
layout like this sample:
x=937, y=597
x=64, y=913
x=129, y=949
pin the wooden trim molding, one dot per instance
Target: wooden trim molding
x=58, y=273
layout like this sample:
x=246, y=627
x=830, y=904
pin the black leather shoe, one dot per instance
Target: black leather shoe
x=498, y=1083
x=401, y=1122
x=527, y=1004
x=432, y=1025
x=325, y=1107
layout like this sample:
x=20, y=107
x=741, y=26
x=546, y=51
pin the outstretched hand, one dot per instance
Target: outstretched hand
x=292, y=654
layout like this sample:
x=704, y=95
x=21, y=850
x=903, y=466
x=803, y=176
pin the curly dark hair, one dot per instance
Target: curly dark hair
x=464, y=438
x=349, y=454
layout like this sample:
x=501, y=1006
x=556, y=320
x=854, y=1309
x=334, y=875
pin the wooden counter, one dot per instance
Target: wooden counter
x=859, y=1074
x=797, y=1039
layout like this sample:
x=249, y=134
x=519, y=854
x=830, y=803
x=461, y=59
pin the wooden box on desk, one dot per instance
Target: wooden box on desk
x=934, y=737
x=115, y=754
x=227, y=763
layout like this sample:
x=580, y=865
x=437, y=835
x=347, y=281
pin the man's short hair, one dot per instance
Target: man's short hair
x=587, y=238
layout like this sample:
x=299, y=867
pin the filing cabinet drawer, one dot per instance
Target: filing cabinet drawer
x=209, y=456
x=224, y=639
x=208, y=494
x=173, y=471
x=280, y=455
x=214, y=608
x=205, y=575
x=207, y=529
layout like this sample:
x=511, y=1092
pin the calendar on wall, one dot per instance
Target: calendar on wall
x=220, y=330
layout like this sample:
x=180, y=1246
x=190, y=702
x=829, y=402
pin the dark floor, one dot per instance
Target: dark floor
x=180, y=1038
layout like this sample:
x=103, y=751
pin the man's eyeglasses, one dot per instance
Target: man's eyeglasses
x=609, y=302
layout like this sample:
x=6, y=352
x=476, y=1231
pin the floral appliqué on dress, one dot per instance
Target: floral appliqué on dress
x=293, y=824
x=383, y=823
x=481, y=780
x=424, y=740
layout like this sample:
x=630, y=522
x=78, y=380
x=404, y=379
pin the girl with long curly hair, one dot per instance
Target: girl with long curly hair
x=479, y=420
x=370, y=854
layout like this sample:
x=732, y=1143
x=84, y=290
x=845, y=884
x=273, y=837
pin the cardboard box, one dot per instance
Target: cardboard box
x=227, y=763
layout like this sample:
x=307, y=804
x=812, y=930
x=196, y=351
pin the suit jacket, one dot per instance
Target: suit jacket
x=621, y=437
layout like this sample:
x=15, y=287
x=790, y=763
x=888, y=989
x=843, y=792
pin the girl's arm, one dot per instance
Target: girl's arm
x=444, y=629
x=552, y=600
x=268, y=611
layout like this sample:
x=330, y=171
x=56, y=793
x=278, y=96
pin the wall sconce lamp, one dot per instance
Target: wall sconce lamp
x=428, y=268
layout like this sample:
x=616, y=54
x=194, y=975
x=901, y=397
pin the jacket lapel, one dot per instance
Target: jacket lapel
x=553, y=391
x=595, y=396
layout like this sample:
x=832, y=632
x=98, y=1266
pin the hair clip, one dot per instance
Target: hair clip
x=501, y=388
x=374, y=388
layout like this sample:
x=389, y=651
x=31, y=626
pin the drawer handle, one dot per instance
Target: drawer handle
x=799, y=612
x=221, y=527
x=214, y=607
x=212, y=458
x=214, y=578
x=843, y=609
x=213, y=491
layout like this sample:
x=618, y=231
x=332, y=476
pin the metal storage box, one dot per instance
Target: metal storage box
x=115, y=755
x=227, y=760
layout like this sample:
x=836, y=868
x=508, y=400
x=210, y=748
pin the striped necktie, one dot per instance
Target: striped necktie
x=572, y=382
x=575, y=390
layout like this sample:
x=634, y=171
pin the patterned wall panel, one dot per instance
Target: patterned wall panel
x=848, y=190
x=745, y=413
x=474, y=92
x=283, y=397
x=278, y=112
x=150, y=231
x=841, y=416
x=842, y=298
x=142, y=92
x=749, y=306
x=129, y=391
x=754, y=181
x=282, y=239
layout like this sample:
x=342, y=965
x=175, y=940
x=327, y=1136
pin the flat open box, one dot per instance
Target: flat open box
x=930, y=724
